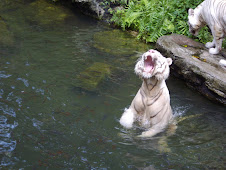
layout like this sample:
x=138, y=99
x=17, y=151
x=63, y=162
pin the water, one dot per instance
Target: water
x=46, y=122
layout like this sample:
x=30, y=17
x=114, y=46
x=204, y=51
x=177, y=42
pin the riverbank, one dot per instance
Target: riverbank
x=192, y=62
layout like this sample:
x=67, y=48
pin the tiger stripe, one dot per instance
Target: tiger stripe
x=155, y=98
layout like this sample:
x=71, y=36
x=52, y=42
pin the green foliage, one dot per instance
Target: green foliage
x=108, y=3
x=154, y=18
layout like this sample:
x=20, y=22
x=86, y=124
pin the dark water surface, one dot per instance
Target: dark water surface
x=46, y=122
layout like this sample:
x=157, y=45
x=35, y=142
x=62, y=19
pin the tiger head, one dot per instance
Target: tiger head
x=195, y=23
x=153, y=64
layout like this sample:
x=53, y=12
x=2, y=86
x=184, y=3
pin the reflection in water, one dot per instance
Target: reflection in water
x=47, y=121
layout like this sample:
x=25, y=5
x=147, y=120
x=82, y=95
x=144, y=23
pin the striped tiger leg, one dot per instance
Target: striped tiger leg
x=218, y=35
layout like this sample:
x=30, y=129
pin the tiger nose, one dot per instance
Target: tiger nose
x=152, y=51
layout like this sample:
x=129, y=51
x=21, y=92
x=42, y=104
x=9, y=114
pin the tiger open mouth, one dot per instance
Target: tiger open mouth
x=148, y=64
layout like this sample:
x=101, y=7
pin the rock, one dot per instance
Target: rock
x=193, y=63
x=6, y=5
x=6, y=37
x=93, y=76
x=20, y=17
x=46, y=13
x=123, y=45
x=90, y=7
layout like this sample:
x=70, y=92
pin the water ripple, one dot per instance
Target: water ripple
x=180, y=110
x=6, y=143
x=24, y=81
x=37, y=123
x=8, y=111
x=3, y=75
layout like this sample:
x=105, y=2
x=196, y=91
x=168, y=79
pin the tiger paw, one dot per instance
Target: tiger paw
x=222, y=63
x=127, y=119
x=209, y=45
x=213, y=51
x=150, y=133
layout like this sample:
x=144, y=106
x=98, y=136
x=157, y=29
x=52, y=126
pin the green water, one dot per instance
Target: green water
x=47, y=122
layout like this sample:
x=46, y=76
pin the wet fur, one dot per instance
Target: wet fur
x=151, y=105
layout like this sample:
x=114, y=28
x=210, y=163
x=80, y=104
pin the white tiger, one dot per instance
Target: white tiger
x=213, y=14
x=151, y=105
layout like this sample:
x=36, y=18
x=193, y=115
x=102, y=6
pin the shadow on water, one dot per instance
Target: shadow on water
x=50, y=117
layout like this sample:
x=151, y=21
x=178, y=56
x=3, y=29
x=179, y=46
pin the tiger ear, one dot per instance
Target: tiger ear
x=169, y=61
x=191, y=12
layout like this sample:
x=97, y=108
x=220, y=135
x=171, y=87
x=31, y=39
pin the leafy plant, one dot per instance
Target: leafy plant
x=153, y=18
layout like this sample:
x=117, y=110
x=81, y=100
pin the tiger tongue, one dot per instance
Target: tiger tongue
x=148, y=64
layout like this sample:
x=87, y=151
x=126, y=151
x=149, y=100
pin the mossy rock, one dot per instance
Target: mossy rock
x=10, y=5
x=6, y=37
x=39, y=12
x=118, y=43
x=92, y=77
x=45, y=13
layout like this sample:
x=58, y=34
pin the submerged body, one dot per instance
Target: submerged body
x=151, y=105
